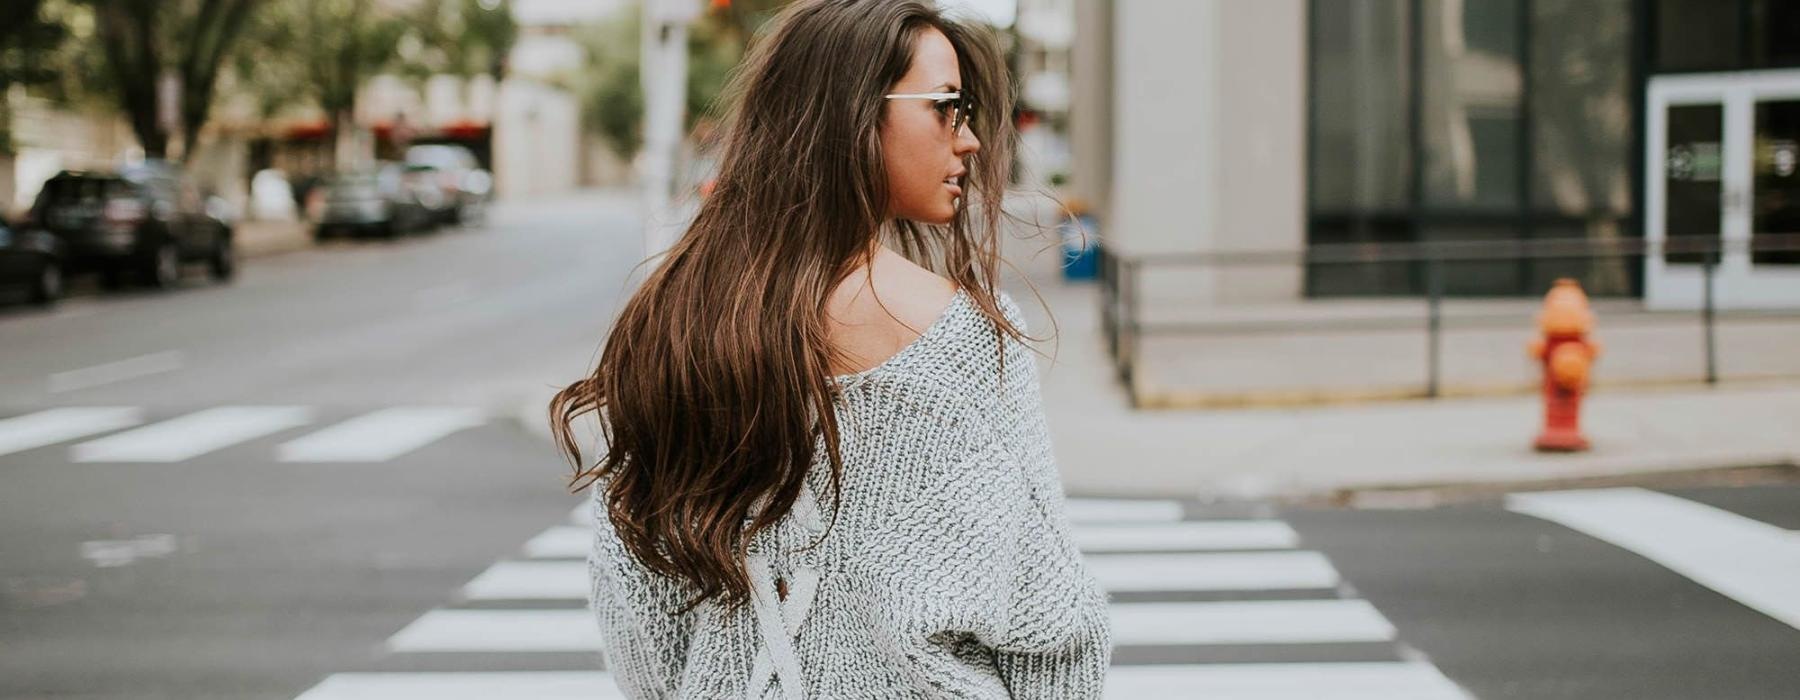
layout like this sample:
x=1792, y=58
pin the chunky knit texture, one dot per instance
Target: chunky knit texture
x=951, y=570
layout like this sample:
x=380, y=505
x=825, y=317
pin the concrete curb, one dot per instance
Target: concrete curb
x=1777, y=469
x=257, y=239
x=1153, y=399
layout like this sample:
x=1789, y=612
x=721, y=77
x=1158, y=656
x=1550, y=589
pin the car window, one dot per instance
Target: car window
x=190, y=196
x=82, y=191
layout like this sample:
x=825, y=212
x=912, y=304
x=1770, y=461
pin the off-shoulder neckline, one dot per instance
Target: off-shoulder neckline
x=951, y=312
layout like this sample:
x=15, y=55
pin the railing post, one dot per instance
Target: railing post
x=1434, y=323
x=1108, y=293
x=1706, y=317
x=1128, y=326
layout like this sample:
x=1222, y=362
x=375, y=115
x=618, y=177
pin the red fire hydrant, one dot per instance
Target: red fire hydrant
x=1567, y=354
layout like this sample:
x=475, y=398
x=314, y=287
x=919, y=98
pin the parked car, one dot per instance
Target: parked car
x=147, y=220
x=387, y=201
x=466, y=186
x=31, y=259
x=271, y=197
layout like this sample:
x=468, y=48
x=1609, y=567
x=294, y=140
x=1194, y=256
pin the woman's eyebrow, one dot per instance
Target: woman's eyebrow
x=953, y=88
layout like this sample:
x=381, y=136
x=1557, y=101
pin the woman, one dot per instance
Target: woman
x=827, y=471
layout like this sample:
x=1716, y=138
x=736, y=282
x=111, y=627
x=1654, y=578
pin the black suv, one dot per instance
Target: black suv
x=32, y=260
x=146, y=219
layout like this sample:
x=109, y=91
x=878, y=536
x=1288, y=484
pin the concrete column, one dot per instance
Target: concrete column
x=1203, y=144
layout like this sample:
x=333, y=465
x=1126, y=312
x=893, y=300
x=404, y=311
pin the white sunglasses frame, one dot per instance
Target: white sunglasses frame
x=962, y=117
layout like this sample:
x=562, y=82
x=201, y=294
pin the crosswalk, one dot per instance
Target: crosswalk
x=126, y=434
x=1753, y=562
x=1182, y=590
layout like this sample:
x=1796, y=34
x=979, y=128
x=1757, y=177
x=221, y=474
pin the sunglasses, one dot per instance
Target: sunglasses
x=951, y=105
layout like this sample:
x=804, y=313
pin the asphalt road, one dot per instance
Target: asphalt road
x=311, y=483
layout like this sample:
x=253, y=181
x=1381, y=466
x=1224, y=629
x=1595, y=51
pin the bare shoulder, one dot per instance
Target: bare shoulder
x=878, y=311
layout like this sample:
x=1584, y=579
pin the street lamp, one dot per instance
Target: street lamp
x=664, y=76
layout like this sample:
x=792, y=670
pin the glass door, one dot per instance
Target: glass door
x=1687, y=178
x=1770, y=268
x=1775, y=188
x=1723, y=168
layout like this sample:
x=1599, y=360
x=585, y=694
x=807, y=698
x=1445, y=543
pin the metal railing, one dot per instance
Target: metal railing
x=1122, y=314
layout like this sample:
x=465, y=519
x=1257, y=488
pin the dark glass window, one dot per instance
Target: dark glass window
x=1692, y=174
x=1583, y=150
x=1723, y=35
x=1698, y=35
x=1774, y=27
x=1361, y=94
x=1471, y=88
x=1776, y=178
x=1472, y=120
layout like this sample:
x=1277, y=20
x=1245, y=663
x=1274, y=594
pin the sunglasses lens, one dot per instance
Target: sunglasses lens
x=965, y=110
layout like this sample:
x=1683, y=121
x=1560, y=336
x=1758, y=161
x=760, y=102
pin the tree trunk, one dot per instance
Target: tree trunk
x=127, y=32
x=216, y=26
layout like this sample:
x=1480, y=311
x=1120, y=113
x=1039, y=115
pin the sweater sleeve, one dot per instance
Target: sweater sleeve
x=643, y=640
x=1060, y=639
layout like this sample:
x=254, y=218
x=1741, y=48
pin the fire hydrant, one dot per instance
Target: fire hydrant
x=1567, y=354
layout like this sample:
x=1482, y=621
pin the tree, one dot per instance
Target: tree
x=143, y=40
x=460, y=37
x=27, y=36
x=612, y=101
x=319, y=51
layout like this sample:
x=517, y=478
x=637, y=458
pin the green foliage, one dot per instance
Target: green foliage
x=27, y=34
x=318, y=52
x=143, y=40
x=609, y=87
x=457, y=37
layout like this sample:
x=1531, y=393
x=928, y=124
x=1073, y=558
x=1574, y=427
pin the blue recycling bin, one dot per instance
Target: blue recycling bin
x=1080, y=244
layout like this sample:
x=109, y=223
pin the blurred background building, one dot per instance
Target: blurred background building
x=1286, y=124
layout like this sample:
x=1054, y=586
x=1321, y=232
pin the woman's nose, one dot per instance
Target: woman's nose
x=966, y=143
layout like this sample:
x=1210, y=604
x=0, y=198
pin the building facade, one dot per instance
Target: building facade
x=1216, y=125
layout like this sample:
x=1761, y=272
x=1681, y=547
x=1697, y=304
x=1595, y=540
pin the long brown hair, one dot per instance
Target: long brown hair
x=715, y=379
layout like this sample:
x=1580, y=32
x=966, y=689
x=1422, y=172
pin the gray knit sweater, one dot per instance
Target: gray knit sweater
x=951, y=570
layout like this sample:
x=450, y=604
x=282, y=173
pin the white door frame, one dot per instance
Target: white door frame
x=1736, y=282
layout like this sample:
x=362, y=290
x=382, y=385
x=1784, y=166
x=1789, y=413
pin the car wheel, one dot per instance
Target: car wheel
x=48, y=287
x=223, y=263
x=163, y=270
x=112, y=277
x=321, y=234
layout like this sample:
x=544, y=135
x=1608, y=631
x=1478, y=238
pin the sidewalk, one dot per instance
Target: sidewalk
x=1105, y=448
x=255, y=239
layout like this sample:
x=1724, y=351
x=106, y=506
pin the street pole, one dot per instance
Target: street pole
x=664, y=78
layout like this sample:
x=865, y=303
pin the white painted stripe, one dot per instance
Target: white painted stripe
x=537, y=685
x=130, y=368
x=381, y=435
x=1250, y=622
x=1750, y=561
x=561, y=542
x=1096, y=510
x=1279, y=681
x=1191, y=536
x=191, y=435
x=573, y=541
x=499, y=631
x=530, y=580
x=1235, y=571
x=34, y=430
x=1079, y=510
